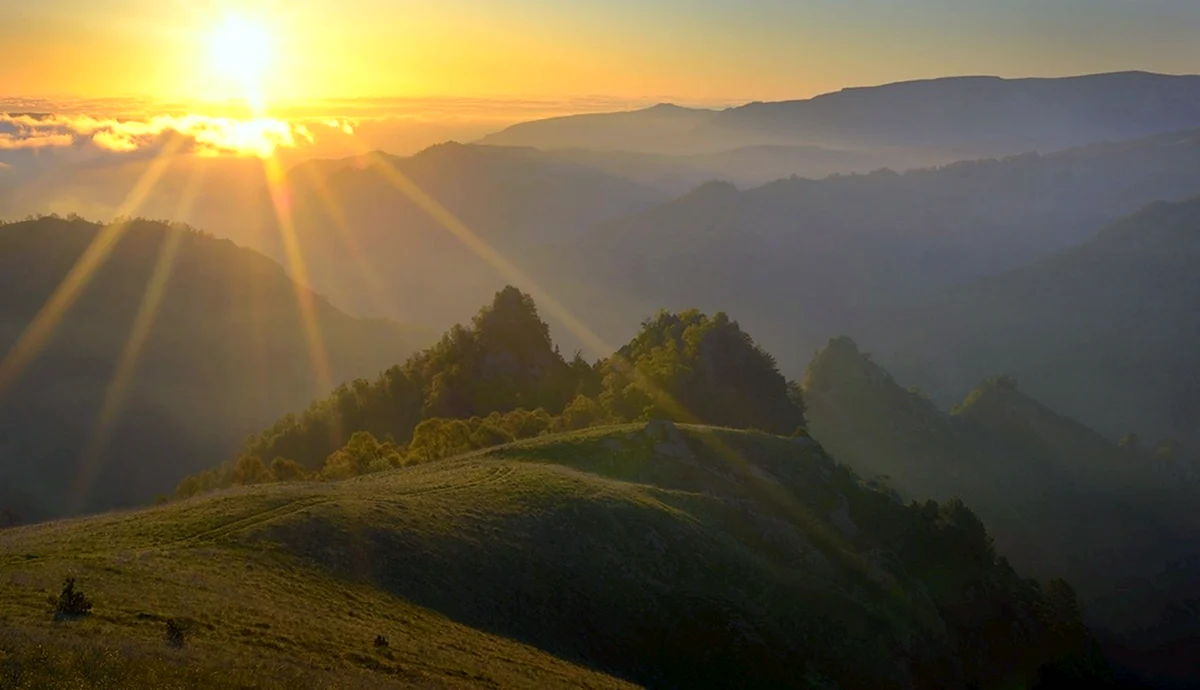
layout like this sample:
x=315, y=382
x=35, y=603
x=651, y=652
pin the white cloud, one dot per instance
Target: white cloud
x=201, y=134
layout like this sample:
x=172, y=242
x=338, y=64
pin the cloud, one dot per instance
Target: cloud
x=198, y=134
x=344, y=126
x=12, y=142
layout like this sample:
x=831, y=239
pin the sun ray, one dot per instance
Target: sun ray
x=39, y=331
x=337, y=214
x=772, y=491
x=277, y=187
x=147, y=314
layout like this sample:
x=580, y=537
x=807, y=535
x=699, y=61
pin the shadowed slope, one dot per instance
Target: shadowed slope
x=1058, y=497
x=637, y=550
x=1106, y=332
x=129, y=394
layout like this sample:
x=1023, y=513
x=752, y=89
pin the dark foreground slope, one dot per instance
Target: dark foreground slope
x=177, y=347
x=673, y=557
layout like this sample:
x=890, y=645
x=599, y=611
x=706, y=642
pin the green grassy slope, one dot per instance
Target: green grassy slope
x=676, y=557
x=255, y=614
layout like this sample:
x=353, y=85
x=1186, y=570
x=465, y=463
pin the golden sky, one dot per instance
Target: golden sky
x=686, y=50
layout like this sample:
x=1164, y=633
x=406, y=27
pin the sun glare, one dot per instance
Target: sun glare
x=240, y=52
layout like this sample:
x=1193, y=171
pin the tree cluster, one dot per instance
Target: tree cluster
x=502, y=379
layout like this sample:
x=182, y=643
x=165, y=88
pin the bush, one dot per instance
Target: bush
x=71, y=602
x=174, y=633
x=381, y=641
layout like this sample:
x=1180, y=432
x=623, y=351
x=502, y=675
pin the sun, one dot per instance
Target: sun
x=240, y=52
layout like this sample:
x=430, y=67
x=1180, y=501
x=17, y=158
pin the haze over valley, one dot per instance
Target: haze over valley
x=805, y=346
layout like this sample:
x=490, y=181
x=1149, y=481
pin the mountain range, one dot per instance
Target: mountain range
x=618, y=484
x=1105, y=331
x=963, y=116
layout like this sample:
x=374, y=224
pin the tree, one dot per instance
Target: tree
x=583, y=412
x=287, y=470
x=363, y=454
x=435, y=439
x=250, y=469
x=71, y=603
x=695, y=368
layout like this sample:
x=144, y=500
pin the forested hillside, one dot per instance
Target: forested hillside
x=503, y=379
x=1058, y=497
x=178, y=346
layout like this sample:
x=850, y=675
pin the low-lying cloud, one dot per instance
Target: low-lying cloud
x=197, y=134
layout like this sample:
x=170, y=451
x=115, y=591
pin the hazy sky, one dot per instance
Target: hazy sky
x=688, y=50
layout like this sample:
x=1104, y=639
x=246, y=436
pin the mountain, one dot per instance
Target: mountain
x=418, y=238
x=747, y=166
x=664, y=128
x=1057, y=496
x=800, y=260
x=372, y=230
x=1106, y=332
x=660, y=555
x=503, y=379
x=177, y=347
x=965, y=116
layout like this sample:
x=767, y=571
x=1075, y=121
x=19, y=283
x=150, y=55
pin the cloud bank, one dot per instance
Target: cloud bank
x=197, y=134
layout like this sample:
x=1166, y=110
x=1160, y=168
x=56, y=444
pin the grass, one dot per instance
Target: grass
x=596, y=559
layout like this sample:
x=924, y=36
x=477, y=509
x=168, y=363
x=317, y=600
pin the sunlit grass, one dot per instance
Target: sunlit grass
x=303, y=576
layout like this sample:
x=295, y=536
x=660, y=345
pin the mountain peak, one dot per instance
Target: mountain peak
x=842, y=364
x=1161, y=223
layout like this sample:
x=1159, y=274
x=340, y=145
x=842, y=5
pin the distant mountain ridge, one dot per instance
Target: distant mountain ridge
x=380, y=247
x=801, y=260
x=1106, y=332
x=970, y=116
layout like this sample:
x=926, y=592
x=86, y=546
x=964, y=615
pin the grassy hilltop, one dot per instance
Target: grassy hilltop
x=668, y=556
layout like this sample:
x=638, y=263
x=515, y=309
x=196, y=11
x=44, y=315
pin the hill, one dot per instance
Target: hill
x=1057, y=496
x=503, y=379
x=177, y=347
x=417, y=238
x=802, y=260
x=746, y=166
x=664, y=128
x=969, y=116
x=1105, y=332
x=666, y=556
x=372, y=228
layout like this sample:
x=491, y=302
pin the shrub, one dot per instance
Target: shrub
x=174, y=633
x=71, y=602
x=381, y=641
